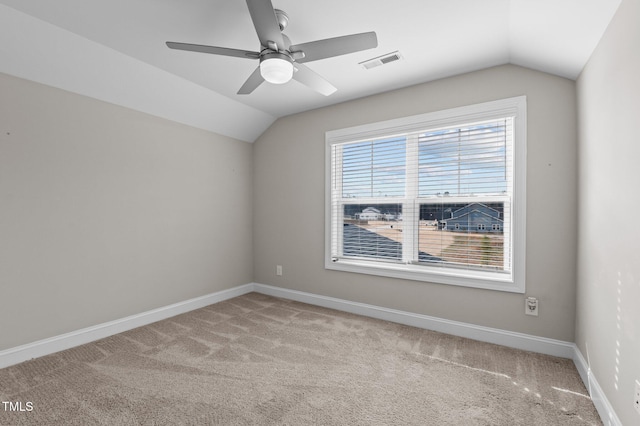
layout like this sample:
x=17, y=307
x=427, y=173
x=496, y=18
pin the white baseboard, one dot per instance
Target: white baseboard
x=605, y=410
x=79, y=337
x=522, y=341
x=511, y=339
x=75, y=338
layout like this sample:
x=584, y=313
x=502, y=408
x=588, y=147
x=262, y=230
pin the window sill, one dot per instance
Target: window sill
x=465, y=278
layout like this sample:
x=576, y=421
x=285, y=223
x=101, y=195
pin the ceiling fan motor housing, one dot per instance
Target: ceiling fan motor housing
x=283, y=18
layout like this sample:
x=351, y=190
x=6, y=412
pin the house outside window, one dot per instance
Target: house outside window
x=437, y=197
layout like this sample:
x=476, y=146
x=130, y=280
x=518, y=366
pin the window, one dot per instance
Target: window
x=437, y=197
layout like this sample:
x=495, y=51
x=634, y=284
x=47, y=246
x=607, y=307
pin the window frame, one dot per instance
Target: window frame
x=514, y=281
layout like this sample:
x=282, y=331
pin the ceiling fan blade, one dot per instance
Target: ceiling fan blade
x=214, y=50
x=266, y=23
x=336, y=46
x=252, y=83
x=311, y=79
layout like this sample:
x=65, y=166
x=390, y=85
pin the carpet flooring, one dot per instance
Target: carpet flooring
x=259, y=360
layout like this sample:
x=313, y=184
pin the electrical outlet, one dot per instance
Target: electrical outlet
x=531, y=306
x=636, y=397
x=279, y=270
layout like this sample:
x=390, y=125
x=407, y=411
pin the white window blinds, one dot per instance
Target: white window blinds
x=465, y=161
x=374, y=168
x=465, y=175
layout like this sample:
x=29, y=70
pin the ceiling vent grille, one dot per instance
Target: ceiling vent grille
x=382, y=60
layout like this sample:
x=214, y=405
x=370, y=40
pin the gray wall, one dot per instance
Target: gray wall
x=289, y=203
x=608, y=302
x=106, y=212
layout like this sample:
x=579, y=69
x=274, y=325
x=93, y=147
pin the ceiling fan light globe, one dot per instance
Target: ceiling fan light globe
x=276, y=70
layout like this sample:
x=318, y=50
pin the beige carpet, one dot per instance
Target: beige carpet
x=258, y=360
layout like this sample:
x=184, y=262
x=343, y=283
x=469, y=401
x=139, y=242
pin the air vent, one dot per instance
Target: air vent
x=382, y=60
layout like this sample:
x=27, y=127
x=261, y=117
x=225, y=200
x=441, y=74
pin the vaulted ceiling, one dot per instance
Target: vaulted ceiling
x=115, y=50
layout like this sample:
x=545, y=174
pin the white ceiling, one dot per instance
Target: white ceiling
x=114, y=50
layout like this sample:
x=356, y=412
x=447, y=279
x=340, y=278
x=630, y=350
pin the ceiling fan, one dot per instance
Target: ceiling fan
x=280, y=61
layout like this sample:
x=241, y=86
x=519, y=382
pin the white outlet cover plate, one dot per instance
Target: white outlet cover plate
x=528, y=311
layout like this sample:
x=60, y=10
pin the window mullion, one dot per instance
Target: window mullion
x=410, y=208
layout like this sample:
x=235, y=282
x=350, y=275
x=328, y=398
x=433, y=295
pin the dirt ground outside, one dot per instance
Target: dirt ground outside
x=457, y=247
